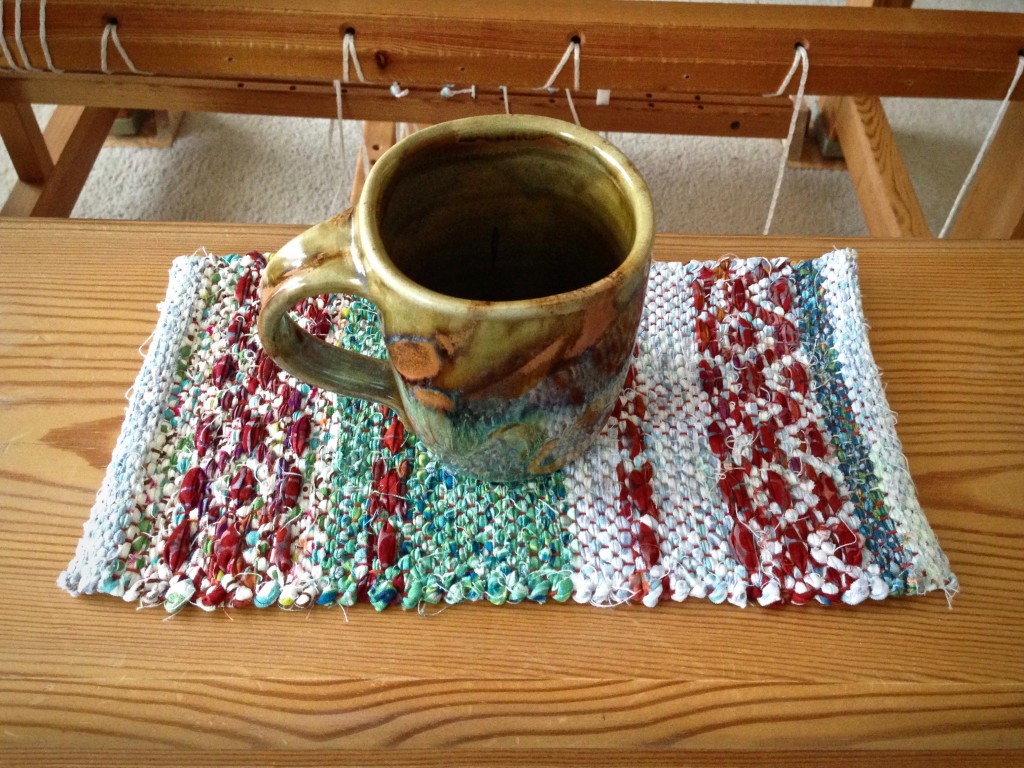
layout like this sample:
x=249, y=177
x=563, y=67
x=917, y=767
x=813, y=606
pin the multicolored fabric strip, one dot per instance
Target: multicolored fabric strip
x=751, y=457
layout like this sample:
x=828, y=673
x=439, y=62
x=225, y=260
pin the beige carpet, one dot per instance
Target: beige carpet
x=281, y=170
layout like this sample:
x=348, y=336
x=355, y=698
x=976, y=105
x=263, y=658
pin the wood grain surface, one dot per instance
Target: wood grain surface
x=902, y=682
x=635, y=46
x=642, y=110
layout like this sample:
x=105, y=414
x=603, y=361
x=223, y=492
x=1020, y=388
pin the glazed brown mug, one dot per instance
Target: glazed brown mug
x=508, y=256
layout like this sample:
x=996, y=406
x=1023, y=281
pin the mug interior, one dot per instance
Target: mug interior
x=507, y=214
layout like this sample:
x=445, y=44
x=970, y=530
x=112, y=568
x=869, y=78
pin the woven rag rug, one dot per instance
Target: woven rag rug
x=751, y=457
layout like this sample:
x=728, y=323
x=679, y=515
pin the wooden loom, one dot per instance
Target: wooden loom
x=681, y=68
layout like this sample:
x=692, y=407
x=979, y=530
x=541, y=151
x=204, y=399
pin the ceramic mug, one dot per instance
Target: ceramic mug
x=508, y=256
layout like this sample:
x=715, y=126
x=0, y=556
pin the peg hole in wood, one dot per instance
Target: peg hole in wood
x=735, y=125
x=292, y=87
x=576, y=39
x=382, y=58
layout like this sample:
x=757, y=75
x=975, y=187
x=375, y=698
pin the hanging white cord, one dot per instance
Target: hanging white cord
x=504, y=96
x=572, y=107
x=110, y=31
x=984, y=149
x=574, y=51
x=348, y=54
x=3, y=44
x=18, y=40
x=348, y=51
x=341, y=142
x=42, y=38
x=799, y=59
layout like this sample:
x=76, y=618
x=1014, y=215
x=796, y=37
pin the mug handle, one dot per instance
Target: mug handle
x=319, y=261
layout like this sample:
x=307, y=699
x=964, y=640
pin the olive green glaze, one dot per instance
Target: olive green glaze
x=509, y=257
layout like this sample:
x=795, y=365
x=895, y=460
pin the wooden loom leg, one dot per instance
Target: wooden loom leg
x=73, y=138
x=994, y=205
x=886, y=194
x=25, y=143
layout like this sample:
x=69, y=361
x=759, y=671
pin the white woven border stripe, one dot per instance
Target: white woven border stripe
x=931, y=570
x=103, y=535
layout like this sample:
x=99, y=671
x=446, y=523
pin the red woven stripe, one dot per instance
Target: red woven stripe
x=767, y=536
x=638, y=514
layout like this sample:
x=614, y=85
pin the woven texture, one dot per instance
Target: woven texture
x=751, y=457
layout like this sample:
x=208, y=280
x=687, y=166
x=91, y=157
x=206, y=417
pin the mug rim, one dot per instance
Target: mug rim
x=370, y=246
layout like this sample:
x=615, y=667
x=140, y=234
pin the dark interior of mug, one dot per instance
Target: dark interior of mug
x=504, y=218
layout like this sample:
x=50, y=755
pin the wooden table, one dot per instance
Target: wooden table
x=895, y=683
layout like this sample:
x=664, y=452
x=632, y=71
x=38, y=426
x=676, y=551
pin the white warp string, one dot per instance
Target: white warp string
x=348, y=52
x=574, y=51
x=349, y=55
x=504, y=97
x=1000, y=113
x=42, y=38
x=26, y=65
x=800, y=59
x=572, y=108
x=110, y=31
x=11, y=63
x=18, y=41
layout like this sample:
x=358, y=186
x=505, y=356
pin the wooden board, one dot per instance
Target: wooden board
x=636, y=46
x=644, y=111
x=903, y=682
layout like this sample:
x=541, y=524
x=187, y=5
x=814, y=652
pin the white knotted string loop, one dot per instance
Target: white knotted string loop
x=574, y=51
x=11, y=63
x=801, y=60
x=110, y=31
x=42, y=38
x=398, y=91
x=504, y=97
x=18, y=41
x=1000, y=113
x=572, y=107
